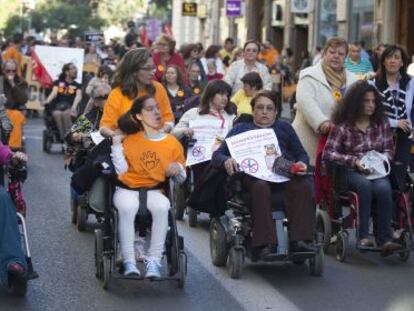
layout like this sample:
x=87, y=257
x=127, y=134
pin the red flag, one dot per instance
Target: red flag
x=40, y=71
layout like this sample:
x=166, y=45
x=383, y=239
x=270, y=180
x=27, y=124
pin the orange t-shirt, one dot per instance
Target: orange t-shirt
x=18, y=119
x=118, y=104
x=148, y=160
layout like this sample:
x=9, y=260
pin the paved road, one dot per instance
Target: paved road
x=64, y=259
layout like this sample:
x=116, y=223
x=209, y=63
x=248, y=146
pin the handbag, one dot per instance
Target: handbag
x=282, y=166
x=376, y=163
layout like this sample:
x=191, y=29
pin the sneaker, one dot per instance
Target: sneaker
x=153, y=269
x=130, y=268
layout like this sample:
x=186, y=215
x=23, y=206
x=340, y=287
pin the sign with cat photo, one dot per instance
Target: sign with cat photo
x=255, y=151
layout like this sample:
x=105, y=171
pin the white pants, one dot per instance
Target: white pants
x=127, y=203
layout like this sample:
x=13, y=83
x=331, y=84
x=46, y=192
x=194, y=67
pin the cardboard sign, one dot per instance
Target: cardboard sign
x=255, y=151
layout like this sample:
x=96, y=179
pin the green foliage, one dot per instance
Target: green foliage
x=76, y=16
x=120, y=12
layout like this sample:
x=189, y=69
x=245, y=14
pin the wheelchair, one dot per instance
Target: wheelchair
x=50, y=133
x=182, y=192
x=230, y=235
x=15, y=176
x=107, y=244
x=342, y=205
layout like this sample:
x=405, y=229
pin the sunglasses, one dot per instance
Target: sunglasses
x=102, y=97
x=148, y=68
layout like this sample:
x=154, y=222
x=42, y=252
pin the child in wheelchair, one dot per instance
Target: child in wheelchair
x=143, y=160
x=15, y=262
x=361, y=127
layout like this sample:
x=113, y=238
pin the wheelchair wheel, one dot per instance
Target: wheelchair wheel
x=17, y=286
x=406, y=244
x=81, y=217
x=316, y=263
x=180, y=202
x=73, y=210
x=182, y=268
x=192, y=217
x=236, y=258
x=323, y=226
x=106, y=271
x=218, y=243
x=341, y=245
x=99, y=254
x=47, y=142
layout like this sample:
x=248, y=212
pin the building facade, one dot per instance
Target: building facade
x=299, y=24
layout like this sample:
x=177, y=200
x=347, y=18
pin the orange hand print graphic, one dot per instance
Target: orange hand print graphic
x=149, y=160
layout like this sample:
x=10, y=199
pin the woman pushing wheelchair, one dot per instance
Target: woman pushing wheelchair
x=144, y=158
x=296, y=193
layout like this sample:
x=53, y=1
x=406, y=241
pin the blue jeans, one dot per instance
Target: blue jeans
x=10, y=245
x=376, y=191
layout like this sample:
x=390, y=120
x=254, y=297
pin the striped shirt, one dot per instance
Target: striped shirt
x=361, y=67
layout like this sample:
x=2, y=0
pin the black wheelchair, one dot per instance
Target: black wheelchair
x=15, y=175
x=342, y=206
x=50, y=133
x=182, y=192
x=230, y=235
x=107, y=244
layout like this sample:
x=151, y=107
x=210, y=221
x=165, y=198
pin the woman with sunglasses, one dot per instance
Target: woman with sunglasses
x=15, y=89
x=144, y=158
x=134, y=78
x=249, y=63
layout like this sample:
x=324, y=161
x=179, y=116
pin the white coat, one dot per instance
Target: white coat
x=315, y=104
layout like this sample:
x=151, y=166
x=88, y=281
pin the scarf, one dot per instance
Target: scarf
x=335, y=79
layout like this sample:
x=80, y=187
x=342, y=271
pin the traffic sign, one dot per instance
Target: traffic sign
x=233, y=8
x=189, y=9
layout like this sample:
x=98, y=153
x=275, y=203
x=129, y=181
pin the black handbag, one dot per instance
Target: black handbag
x=282, y=166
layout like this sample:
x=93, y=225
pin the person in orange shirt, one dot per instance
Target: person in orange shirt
x=133, y=79
x=268, y=54
x=15, y=90
x=144, y=159
x=13, y=52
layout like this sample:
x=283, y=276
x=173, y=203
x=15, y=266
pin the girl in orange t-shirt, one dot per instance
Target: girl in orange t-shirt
x=144, y=158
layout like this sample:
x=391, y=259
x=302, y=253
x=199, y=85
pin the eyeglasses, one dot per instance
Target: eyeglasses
x=265, y=108
x=10, y=70
x=148, y=68
x=105, y=97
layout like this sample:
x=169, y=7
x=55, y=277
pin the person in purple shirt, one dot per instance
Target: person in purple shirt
x=297, y=192
x=12, y=259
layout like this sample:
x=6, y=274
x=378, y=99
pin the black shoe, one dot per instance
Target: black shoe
x=301, y=247
x=267, y=250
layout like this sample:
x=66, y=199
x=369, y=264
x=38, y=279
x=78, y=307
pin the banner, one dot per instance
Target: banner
x=209, y=135
x=255, y=151
x=53, y=58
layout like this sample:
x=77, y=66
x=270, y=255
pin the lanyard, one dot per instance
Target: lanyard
x=218, y=115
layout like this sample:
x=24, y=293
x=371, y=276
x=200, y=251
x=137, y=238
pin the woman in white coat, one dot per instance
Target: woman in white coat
x=319, y=90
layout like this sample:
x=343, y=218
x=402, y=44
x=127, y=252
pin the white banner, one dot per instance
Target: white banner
x=209, y=135
x=255, y=151
x=53, y=58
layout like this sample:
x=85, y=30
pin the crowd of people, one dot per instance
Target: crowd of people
x=145, y=99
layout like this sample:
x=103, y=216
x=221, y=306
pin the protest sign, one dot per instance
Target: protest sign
x=53, y=58
x=208, y=134
x=255, y=151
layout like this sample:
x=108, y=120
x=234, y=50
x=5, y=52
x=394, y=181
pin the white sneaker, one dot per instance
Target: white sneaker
x=153, y=269
x=130, y=268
